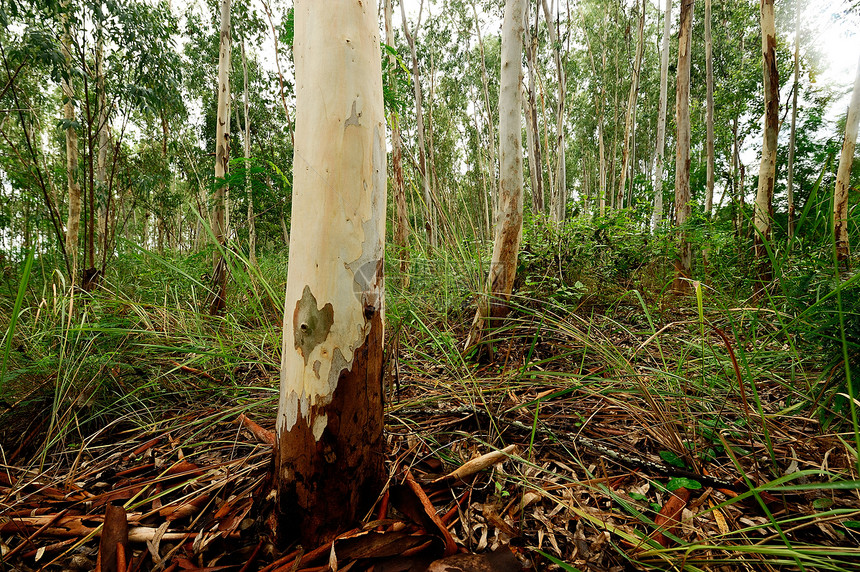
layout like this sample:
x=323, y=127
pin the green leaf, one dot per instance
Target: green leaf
x=637, y=496
x=673, y=459
x=554, y=560
x=822, y=503
x=683, y=483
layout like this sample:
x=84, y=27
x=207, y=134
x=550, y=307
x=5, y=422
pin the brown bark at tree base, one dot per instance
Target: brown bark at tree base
x=327, y=484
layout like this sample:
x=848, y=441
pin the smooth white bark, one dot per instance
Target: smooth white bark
x=767, y=168
x=843, y=175
x=657, y=215
x=509, y=226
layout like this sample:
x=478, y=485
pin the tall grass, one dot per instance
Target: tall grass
x=712, y=382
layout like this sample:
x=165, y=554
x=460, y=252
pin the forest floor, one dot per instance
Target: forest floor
x=619, y=431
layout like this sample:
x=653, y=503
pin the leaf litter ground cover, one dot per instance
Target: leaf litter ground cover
x=578, y=463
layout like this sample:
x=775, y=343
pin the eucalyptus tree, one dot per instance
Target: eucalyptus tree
x=558, y=195
x=509, y=224
x=767, y=169
x=843, y=175
x=431, y=219
x=73, y=223
x=222, y=158
x=489, y=111
x=793, y=134
x=709, y=110
x=401, y=226
x=630, y=115
x=328, y=457
x=530, y=108
x=683, y=262
x=659, y=152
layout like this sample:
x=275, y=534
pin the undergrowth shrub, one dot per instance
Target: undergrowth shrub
x=591, y=260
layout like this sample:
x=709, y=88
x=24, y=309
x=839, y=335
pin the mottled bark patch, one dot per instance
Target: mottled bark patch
x=311, y=325
x=329, y=472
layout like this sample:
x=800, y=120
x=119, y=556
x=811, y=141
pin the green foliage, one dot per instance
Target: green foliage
x=589, y=259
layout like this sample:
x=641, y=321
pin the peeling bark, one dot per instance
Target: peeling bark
x=767, y=170
x=532, y=132
x=657, y=215
x=222, y=158
x=509, y=224
x=843, y=175
x=684, y=261
x=328, y=461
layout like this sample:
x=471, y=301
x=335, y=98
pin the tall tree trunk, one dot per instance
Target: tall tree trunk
x=631, y=106
x=401, y=228
x=222, y=158
x=657, y=215
x=530, y=106
x=246, y=140
x=328, y=461
x=491, y=135
x=103, y=144
x=792, y=137
x=843, y=175
x=509, y=227
x=737, y=188
x=684, y=262
x=429, y=206
x=558, y=197
x=74, y=222
x=767, y=169
x=709, y=111
x=601, y=135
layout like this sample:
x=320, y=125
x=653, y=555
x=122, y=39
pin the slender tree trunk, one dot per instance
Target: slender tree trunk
x=843, y=175
x=792, y=137
x=103, y=144
x=328, y=461
x=275, y=41
x=532, y=132
x=558, y=197
x=709, y=111
x=430, y=210
x=485, y=200
x=534, y=175
x=684, y=262
x=222, y=157
x=246, y=140
x=509, y=227
x=631, y=107
x=601, y=135
x=491, y=135
x=74, y=222
x=657, y=215
x=736, y=187
x=401, y=228
x=767, y=169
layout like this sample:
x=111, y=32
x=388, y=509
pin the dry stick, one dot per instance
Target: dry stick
x=29, y=539
x=264, y=435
